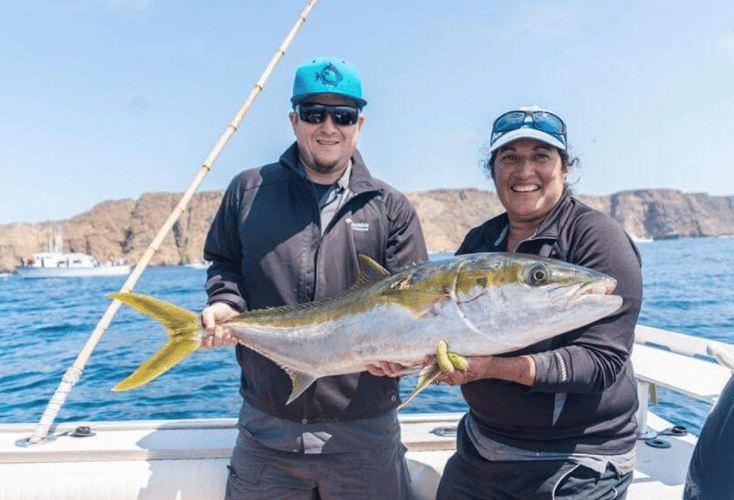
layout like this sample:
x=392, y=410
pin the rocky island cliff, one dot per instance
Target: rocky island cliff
x=125, y=228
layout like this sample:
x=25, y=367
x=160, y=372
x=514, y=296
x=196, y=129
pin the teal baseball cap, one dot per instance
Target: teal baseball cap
x=327, y=75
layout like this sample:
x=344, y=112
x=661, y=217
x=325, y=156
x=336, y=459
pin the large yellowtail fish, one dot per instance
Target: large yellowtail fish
x=478, y=304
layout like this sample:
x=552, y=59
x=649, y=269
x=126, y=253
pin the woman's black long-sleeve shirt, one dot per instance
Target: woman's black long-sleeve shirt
x=584, y=397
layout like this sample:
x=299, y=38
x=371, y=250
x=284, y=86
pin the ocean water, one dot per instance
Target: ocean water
x=45, y=323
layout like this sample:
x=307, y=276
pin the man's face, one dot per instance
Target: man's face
x=325, y=148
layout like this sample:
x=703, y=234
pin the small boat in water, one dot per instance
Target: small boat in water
x=54, y=263
x=198, y=264
x=69, y=265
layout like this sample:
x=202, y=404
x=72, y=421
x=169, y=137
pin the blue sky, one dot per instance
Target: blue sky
x=108, y=99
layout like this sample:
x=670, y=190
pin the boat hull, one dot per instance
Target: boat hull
x=72, y=272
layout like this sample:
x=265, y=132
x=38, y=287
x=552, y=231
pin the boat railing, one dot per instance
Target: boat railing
x=694, y=366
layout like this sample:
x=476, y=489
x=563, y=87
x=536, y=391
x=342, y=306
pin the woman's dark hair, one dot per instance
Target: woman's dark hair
x=566, y=160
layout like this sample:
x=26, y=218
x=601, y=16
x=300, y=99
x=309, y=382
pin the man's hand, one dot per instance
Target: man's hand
x=217, y=335
x=386, y=369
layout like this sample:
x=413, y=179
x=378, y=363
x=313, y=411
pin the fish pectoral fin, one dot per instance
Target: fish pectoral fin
x=301, y=381
x=419, y=302
x=176, y=349
x=447, y=360
x=426, y=376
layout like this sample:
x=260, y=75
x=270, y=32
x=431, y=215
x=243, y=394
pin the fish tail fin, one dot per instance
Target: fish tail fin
x=183, y=327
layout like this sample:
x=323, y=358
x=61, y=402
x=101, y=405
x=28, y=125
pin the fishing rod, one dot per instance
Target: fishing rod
x=74, y=372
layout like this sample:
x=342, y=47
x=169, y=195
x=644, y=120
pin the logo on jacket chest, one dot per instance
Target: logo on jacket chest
x=362, y=227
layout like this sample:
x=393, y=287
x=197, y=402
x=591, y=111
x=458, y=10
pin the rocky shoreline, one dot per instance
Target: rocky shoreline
x=125, y=228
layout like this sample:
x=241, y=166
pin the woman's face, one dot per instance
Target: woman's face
x=529, y=177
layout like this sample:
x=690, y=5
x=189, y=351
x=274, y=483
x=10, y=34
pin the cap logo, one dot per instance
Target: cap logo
x=330, y=75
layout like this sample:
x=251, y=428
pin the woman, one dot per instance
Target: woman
x=555, y=420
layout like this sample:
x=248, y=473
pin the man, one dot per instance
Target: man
x=289, y=233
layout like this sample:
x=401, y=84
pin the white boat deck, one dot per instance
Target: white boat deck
x=186, y=459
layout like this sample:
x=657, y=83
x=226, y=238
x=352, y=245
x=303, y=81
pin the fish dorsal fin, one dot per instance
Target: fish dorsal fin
x=370, y=272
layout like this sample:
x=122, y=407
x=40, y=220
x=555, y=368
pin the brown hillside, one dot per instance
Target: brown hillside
x=125, y=228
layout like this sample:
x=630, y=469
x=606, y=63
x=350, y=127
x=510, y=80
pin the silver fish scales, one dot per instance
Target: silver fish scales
x=478, y=304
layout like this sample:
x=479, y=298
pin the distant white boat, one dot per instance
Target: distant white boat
x=54, y=263
x=640, y=239
x=199, y=264
x=69, y=265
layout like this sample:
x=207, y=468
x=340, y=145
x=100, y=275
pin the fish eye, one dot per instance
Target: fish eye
x=538, y=275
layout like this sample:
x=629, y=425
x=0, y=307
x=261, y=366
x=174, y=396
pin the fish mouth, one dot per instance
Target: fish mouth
x=599, y=287
x=593, y=292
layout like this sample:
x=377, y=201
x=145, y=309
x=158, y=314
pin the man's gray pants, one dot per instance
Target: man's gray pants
x=257, y=472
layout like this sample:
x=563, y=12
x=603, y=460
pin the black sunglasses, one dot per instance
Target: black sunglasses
x=316, y=113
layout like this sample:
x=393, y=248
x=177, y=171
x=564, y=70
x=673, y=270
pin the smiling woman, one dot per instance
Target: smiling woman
x=529, y=175
x=529, y=164
x=568, y=403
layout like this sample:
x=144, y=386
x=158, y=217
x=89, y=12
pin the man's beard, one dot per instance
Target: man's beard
x=325, y=168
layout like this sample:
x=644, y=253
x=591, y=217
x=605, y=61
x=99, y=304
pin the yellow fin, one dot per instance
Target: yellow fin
x=370, y=271
x=458, y=361
x=419, y=301
x=184, y=338
x=442, y=357
x=301, y=381
x=426, y=376
x=446, y=360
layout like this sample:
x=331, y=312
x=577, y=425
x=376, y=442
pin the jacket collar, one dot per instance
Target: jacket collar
x=550, y=228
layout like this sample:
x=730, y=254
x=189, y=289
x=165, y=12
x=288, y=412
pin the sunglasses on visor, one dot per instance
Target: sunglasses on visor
x=316, y=113
x=539, y=120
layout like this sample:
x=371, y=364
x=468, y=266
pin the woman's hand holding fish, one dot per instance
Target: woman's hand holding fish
x=216, y=334
x=519, y=369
